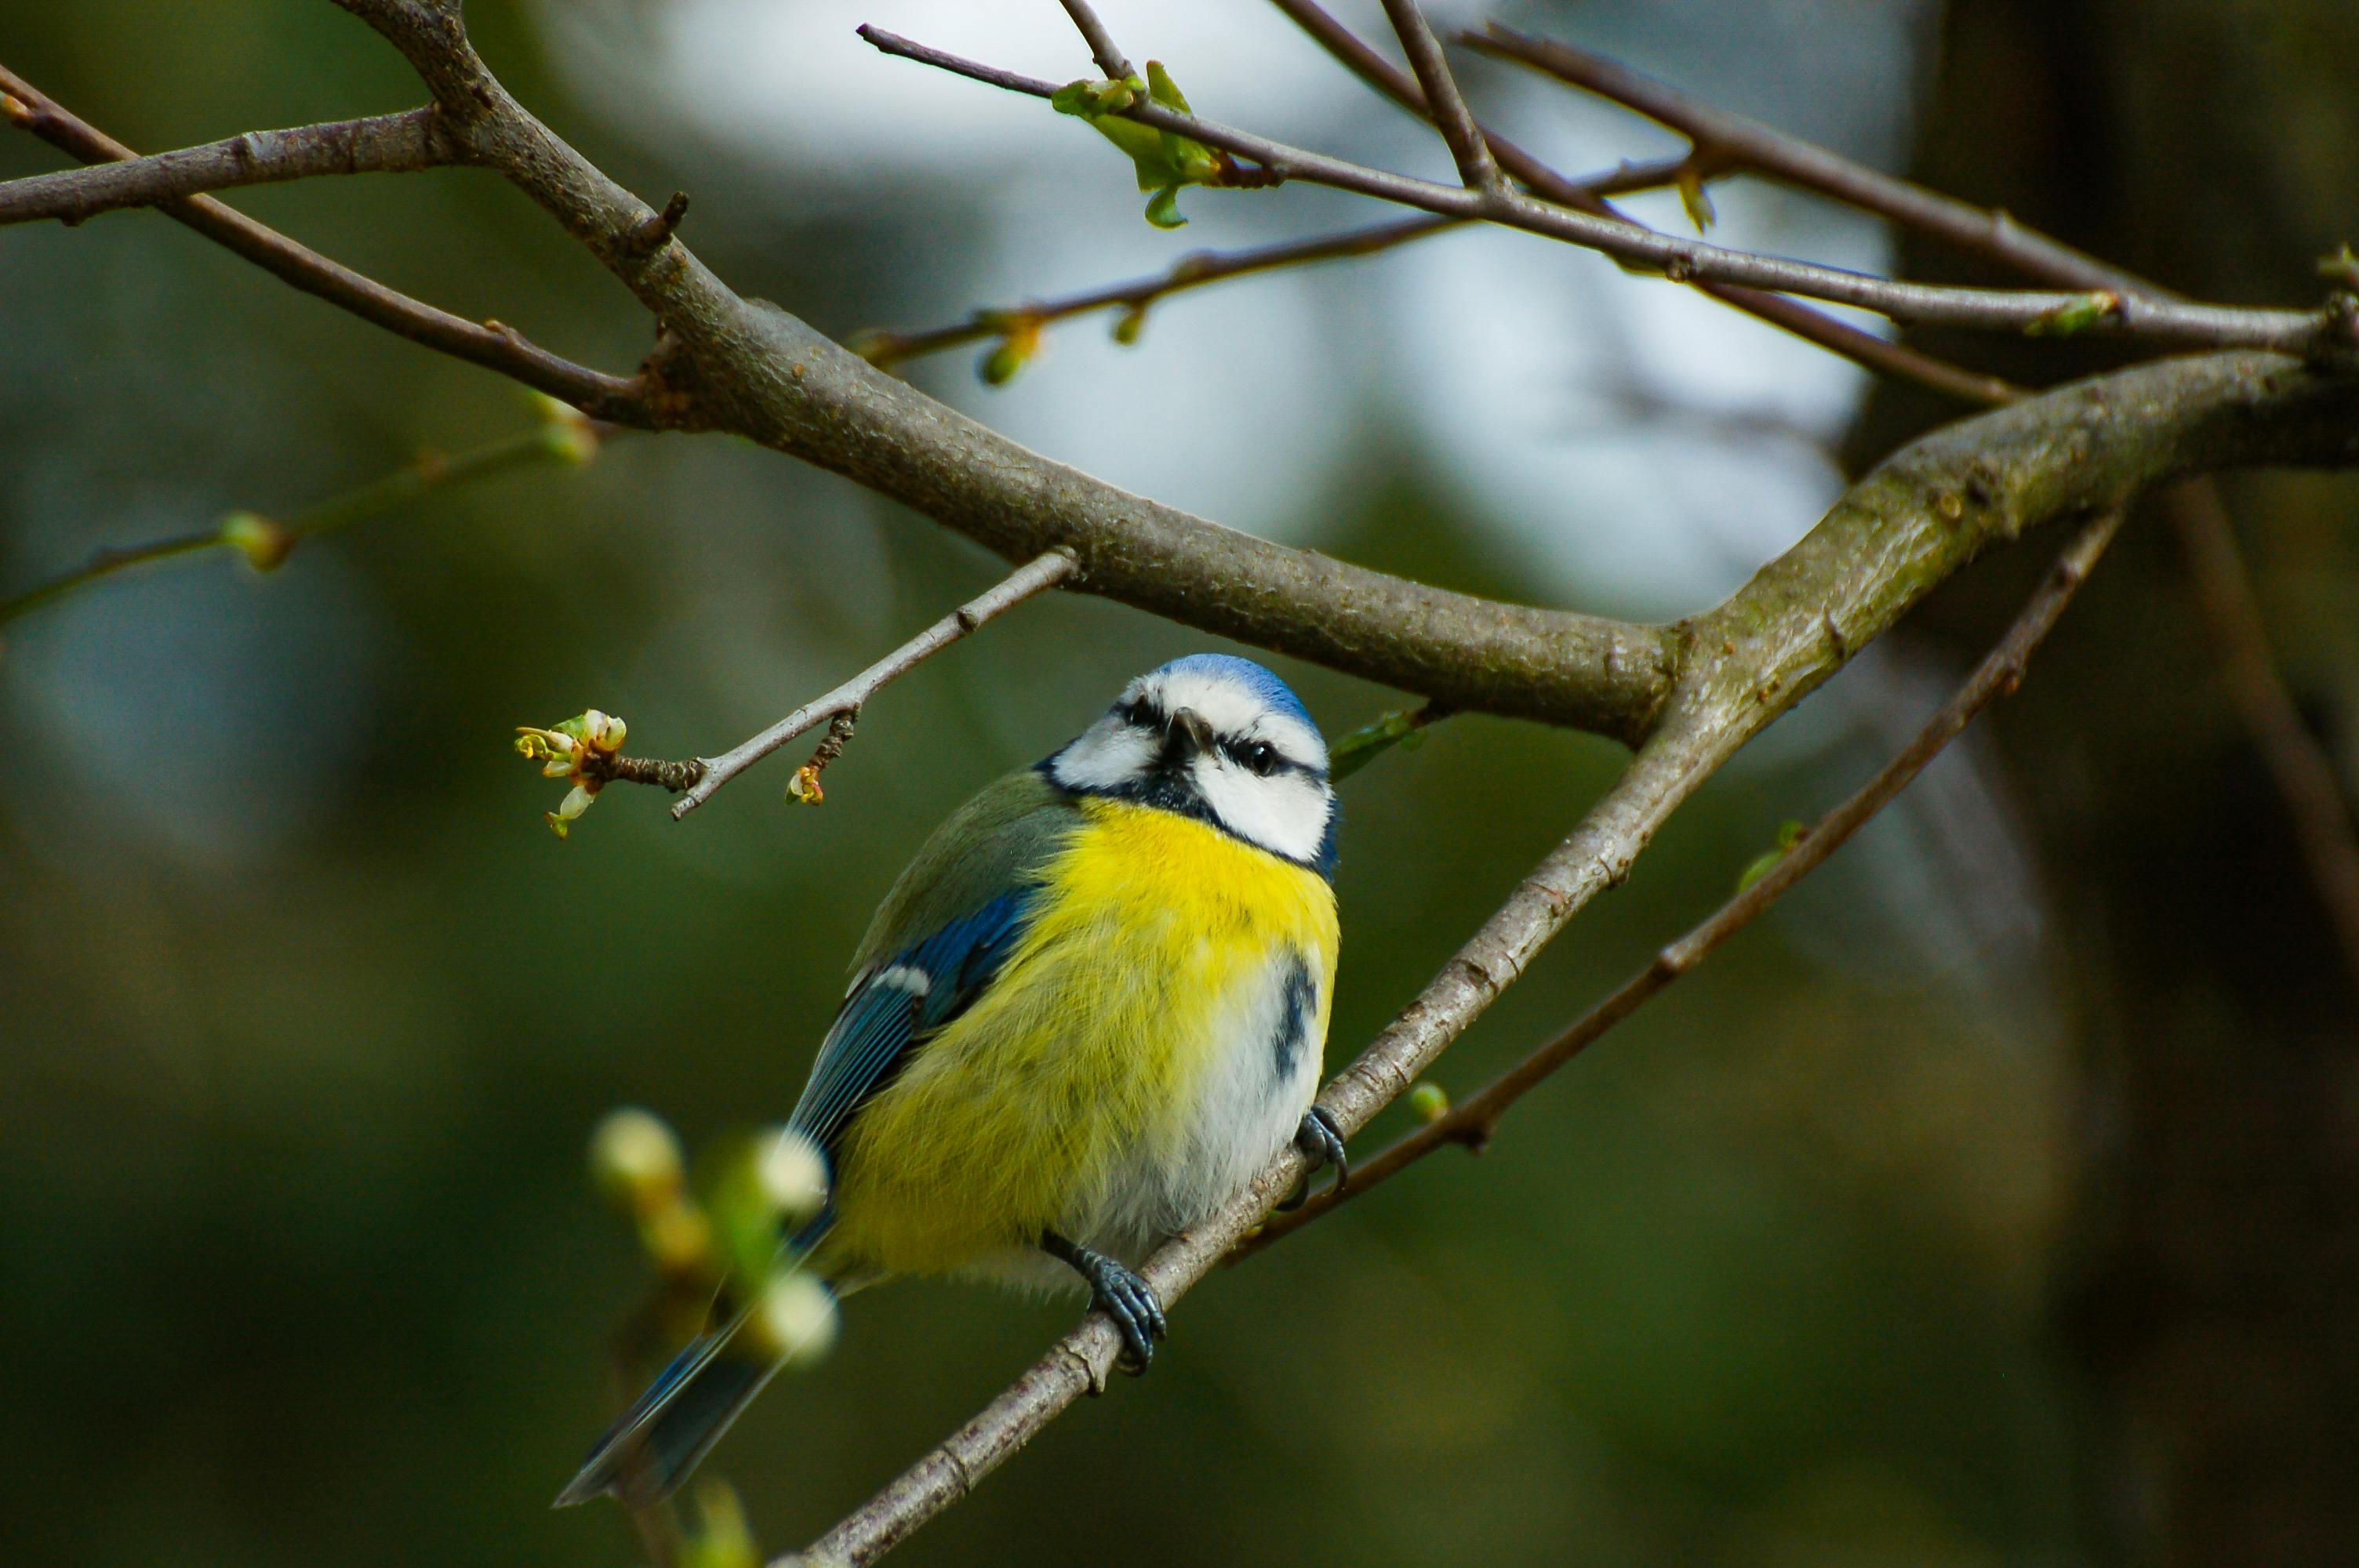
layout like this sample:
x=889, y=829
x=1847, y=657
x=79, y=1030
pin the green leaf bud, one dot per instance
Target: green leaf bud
x=1790, y=834
x=1695, y=199
x=1428, y=1101
x=1163, y=90
x=263, y=542
x=2075, y=315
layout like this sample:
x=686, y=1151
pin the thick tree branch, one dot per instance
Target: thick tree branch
x=2297, y=763
x=621, y=400
x=754, y=368
x=1471, y=1122
x=1932, y=507
x=2161, y=322
x=388, y=144
x=761, y=372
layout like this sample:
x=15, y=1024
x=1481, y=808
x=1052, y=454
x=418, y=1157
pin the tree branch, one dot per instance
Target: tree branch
x=1199, y=268
x=1473, y=1121
x=751, y=368
x=265, y=542
x=1103, y=49
x=1927, y=511
x=387, y=143
x=841, y=708
x=1596, y=856
x=1193, y=271
x=2305, y=779
x=760, y=371
x=1804, y=321
x=1724, y=142
x=2160, y=321
x=1445, y=105
x=1690, y=694
x=619, y=400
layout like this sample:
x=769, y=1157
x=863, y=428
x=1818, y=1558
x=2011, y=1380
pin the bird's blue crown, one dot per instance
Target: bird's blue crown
x=1246, y=673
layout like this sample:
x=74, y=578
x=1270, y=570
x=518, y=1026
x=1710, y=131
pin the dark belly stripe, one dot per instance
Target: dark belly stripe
x=1302, y=1006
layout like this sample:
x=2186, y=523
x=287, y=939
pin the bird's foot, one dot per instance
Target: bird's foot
x=1321, y=1143
x=1122, y=1295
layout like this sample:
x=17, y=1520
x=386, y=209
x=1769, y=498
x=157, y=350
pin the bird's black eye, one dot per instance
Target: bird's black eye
x=1139, y=711
x=1261, y=758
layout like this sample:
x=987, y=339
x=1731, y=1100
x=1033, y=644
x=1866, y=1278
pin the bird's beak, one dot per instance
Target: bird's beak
x=1189, y=735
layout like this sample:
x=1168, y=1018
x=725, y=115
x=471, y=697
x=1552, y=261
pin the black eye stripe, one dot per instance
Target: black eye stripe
x=1146, y=713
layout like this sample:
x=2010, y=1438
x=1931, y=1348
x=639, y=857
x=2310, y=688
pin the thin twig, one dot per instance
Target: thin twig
x=1193, y=271
x=1724, y=142
x=266, y=541
x=2305, y=779
x=1984, y=309
x=1473, y=1121
x=1103, y=49
x=1804, y=321
x=621, y=400
x=1202, y=267
x=1445, y=104
x=1033, y=578
x=387, y=143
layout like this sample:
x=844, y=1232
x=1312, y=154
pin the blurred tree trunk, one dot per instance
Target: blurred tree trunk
x=2207, y=1278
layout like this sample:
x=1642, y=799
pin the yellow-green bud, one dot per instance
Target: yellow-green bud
x=1428, y=1101
x=635, y=1160
x=718, y=1536
x=263, y=542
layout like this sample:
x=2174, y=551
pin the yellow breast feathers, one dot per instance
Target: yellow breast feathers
x=1118, y=1009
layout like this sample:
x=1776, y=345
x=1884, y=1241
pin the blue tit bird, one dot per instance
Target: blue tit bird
x=1090, y=1012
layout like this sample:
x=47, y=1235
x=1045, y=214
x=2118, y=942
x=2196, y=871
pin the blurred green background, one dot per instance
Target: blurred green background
x=1992, y=1203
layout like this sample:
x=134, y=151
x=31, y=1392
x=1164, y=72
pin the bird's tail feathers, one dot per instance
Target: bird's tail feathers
x=647, y=1453
x=667, y=1430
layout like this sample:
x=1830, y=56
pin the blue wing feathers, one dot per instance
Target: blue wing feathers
x=898, y=1003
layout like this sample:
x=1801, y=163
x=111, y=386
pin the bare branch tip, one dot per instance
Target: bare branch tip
x=654, y=232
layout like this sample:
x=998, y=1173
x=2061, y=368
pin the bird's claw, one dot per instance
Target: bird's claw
x=1321, y=1143
x=1137, y=1315
x=1122, y=1295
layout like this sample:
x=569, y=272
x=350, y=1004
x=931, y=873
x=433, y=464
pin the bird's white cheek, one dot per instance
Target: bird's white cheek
x=1286, y=815
x=1106, y=757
